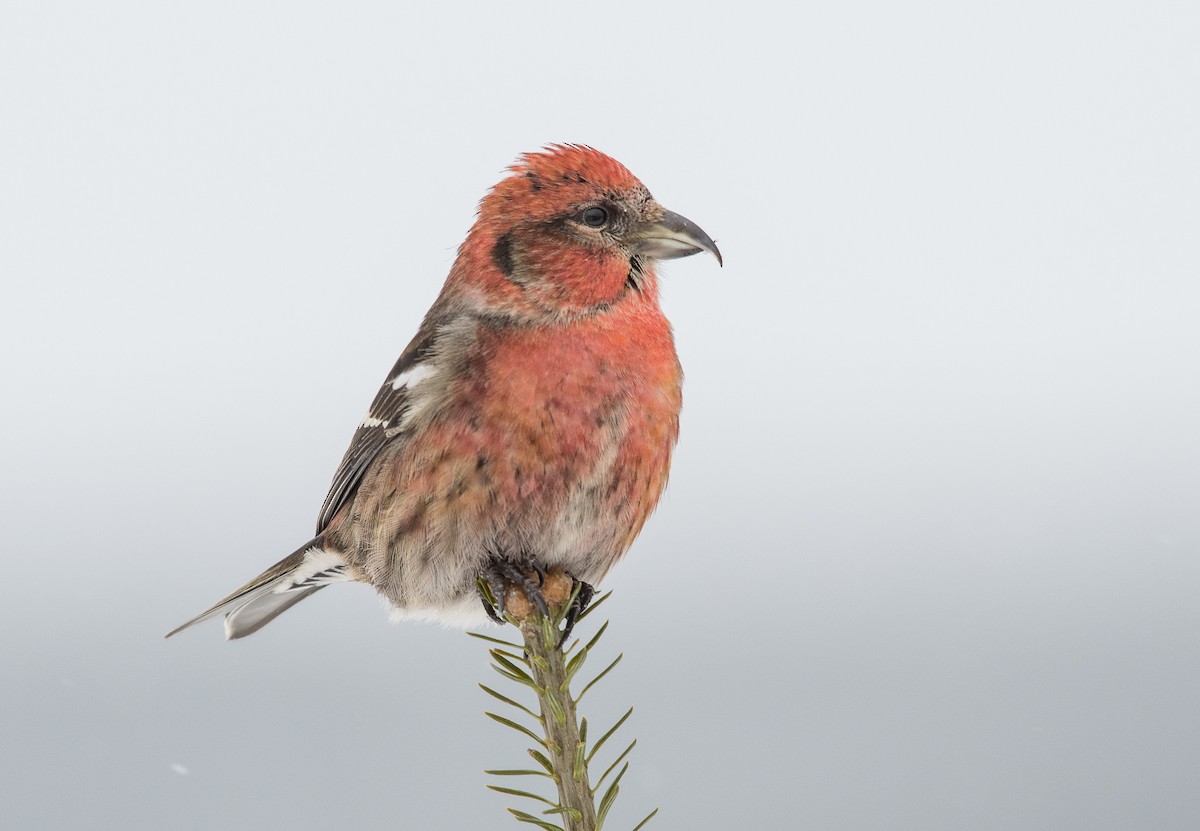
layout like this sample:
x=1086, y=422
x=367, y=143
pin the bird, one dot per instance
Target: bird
x=529, y=425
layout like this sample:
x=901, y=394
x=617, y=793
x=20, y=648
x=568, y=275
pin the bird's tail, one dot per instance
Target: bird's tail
x=276, y=590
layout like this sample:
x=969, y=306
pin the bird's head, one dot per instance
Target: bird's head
x=567, y=234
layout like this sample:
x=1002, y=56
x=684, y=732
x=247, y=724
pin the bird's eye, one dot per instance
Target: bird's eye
x=594, y=217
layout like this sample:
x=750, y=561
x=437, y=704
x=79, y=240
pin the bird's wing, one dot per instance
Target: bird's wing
x=382, y=423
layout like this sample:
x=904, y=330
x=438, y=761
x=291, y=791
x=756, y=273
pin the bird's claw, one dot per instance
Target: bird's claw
x=579, y=603
x=490, y=609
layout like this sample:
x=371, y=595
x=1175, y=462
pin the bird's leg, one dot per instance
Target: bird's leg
x=503, y=573
x=580, y=602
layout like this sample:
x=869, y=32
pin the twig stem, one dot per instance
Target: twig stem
x=563, y=741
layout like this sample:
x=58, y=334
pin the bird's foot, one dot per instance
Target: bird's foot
x=520, y=588
x=582, y=594
x=516, y=585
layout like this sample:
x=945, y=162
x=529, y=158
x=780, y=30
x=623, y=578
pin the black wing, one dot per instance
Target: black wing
x=377, y=429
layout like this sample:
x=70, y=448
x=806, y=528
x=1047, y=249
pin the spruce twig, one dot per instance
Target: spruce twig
x=560, y=723
x=560, y=736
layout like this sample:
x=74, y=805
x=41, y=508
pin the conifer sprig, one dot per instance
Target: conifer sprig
x=560, y=739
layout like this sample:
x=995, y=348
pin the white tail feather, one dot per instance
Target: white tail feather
x=275, y=591
x=261, y=609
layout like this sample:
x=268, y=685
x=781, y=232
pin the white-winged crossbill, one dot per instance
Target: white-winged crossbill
x=528, y=427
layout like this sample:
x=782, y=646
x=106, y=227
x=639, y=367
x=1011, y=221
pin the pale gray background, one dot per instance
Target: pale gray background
x=929, y=556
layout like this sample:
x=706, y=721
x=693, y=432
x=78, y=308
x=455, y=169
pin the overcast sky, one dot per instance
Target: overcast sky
x=930, y=556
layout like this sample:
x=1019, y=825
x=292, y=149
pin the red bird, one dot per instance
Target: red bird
x=529, y=424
